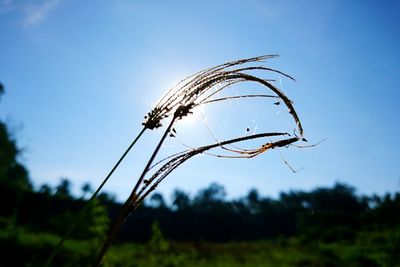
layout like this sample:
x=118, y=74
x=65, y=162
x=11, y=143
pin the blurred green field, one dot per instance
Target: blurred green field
x=370, y=249
x=20, y=247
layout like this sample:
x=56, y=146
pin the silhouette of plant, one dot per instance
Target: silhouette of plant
x=179, y=102
x=202, y=88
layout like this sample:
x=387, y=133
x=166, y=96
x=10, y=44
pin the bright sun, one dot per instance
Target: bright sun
x=196, y=116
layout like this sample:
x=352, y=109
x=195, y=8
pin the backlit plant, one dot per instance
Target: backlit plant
x=202, y=88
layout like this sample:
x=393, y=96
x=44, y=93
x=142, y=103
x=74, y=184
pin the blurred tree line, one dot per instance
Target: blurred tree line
x=328, y=214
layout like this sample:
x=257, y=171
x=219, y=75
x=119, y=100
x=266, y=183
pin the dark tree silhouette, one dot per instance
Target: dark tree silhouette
x=63, y=190
x=12, y=172
x=86, y=189
x=215, y=192
x=180, y=200
x=157, y=201
x=253, y=201
x=1, y=90
x=45, y=189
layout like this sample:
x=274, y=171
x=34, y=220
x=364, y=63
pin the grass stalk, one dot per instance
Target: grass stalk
x=130, y=202
x=88, y=203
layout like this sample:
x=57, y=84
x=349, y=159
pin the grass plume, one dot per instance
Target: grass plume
x=200, y=89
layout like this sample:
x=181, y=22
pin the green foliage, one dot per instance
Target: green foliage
x=97, y=221
x=14, y=178
x=93, y=225
x=23, y=248
x=256, y=253
x=157, y=242
x=377, y=247
x=11, y=171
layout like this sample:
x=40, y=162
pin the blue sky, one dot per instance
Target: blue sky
x=80, y=76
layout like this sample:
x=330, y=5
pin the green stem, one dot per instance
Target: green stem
x=85, y=208
x=128, y=205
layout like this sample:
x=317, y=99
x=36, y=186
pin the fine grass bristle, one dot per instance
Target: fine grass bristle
x=202, y=88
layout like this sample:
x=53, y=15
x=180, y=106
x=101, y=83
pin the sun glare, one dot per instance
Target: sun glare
x=196, y=117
